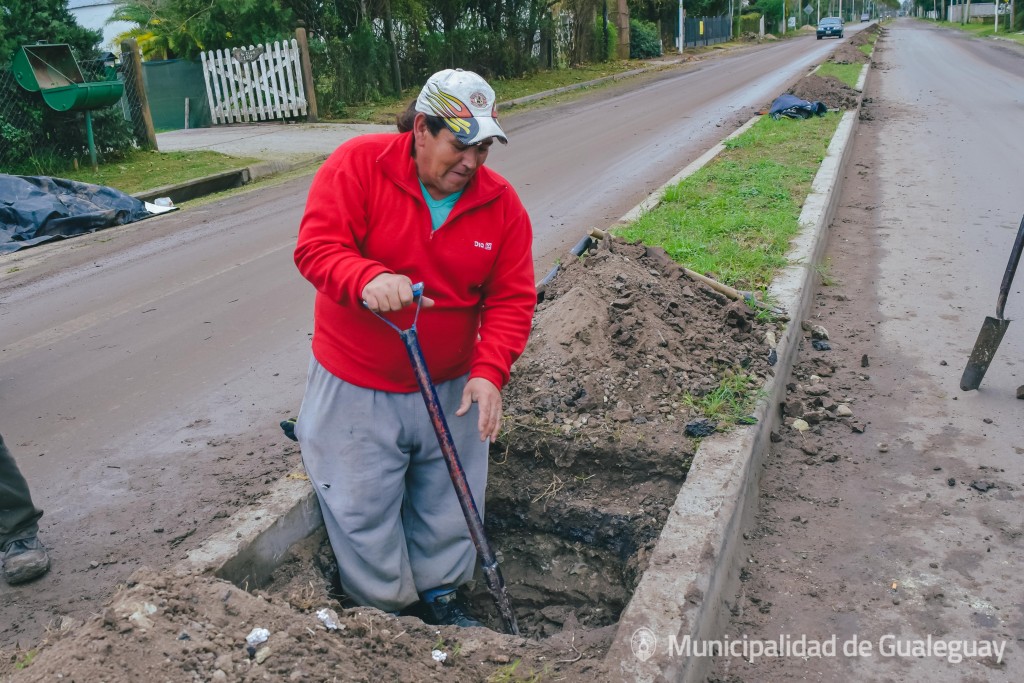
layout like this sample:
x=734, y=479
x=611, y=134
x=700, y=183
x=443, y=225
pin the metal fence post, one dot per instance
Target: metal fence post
x=143, y=126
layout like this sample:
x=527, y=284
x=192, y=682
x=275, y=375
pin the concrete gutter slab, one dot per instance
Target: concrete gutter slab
x=257, y=539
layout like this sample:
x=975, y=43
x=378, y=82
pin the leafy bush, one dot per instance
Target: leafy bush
x=644, y=40
x=750, y=23
x=605, y=51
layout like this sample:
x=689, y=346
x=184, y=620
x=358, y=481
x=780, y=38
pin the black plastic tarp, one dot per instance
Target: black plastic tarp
x=795, y=108
x=36, y=209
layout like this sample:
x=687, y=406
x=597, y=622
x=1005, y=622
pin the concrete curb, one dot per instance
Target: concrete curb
x=692, y=569
x=694, y=566
x=256, y=540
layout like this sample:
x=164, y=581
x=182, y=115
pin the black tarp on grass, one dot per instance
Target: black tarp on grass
x=793, y=107
x=37, y=209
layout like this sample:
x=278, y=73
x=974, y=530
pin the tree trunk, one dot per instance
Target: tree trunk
x=396, y=71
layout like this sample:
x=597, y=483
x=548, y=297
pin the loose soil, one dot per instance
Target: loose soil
x=593, y=453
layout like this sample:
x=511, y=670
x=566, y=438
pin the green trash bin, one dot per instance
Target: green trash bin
x=84, y=96
x=39, y=67
x=52, y=71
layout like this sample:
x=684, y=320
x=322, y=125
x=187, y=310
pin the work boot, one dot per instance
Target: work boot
x=444, y=607
x=24, y=560
x=288, y=427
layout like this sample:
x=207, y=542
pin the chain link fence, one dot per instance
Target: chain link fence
x=132, y=102
x=37, y=140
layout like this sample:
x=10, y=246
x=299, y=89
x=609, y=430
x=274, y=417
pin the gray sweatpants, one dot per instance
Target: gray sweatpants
x=388, y=503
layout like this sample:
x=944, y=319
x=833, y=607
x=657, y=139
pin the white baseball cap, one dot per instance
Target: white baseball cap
x=466, y=104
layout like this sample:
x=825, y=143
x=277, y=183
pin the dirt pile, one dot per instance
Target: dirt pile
x=849, y=53
x=828, y=90
x=190, y=628
x=595, y=446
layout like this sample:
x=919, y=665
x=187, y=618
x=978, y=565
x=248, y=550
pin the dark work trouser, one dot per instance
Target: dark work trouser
x=18, y=516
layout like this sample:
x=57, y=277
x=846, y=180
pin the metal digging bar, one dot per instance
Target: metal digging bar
x=488, y=561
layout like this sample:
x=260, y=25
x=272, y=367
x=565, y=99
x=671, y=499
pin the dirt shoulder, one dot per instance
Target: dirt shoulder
x=895, y=527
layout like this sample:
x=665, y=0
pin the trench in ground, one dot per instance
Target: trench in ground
x=572, y=527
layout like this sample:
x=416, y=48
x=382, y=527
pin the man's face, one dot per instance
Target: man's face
x=444, y=164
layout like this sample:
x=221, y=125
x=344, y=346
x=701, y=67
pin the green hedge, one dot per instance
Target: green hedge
x=609, y=51
x=750, y=23
x=644, y=40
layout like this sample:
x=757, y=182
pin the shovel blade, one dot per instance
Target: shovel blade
x=984, y=350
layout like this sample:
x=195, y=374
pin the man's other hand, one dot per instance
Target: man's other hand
x=488, y=398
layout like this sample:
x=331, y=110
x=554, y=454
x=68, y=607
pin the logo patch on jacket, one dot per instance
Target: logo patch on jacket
x=482, y=245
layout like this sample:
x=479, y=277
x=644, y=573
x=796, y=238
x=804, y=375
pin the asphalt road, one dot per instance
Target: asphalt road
x=143, y=370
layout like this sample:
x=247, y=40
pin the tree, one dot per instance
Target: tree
x=23, y=22
x=168, y=29
x=772, y=11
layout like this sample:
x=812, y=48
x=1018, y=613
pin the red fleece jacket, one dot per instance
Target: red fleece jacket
x=365, y=216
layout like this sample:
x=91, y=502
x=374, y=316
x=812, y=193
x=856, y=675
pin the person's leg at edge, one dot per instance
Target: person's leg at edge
x=441, y=550
x=24, y=557
x=351, y=441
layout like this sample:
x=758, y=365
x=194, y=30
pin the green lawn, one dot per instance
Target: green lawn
x=847, y=73
x=987, y=30
x=734, y=218
x=149, y=170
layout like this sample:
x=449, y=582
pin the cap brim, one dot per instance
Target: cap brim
x=481, y=128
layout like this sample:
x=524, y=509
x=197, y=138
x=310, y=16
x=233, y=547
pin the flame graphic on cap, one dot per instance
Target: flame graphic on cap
x=456, y=114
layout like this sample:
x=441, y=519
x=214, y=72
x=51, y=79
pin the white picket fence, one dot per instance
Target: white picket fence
x=257, y=83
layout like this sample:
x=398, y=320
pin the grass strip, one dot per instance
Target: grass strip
x=731, y=402
x=846, y=73
x=734, y=218
x=143, y=170
x=986, y=30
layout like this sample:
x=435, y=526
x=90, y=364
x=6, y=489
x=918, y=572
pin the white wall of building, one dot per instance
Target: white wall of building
x=94, y=14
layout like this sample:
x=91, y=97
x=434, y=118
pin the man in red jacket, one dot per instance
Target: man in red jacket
x=386, y=211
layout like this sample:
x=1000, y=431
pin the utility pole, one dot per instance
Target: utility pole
x=681, y=36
